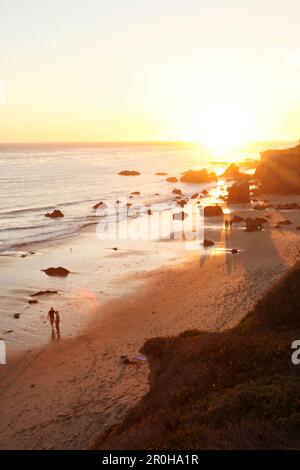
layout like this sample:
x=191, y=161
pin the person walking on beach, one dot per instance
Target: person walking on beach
x=226, y=224
x=57, y=322
x=51, y=316
x=230, y=224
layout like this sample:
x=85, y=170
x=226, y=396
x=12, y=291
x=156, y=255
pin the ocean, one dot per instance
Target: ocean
x=36, y=179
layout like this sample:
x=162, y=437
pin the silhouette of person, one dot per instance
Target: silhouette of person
x=230, y=224
x=57, y=322
x=226, y=224
x=50, y=316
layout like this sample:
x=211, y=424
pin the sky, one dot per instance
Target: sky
x=214, y=71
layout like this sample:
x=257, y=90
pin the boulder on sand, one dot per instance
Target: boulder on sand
x=213, y=211
x=207, y=243
x=253, y=225
x=172, y=179
x=235, y=219
x=182, y=202
x=54, y=214
x=234, y=251
x=129, y=173
x=100, y=205
x=285, y=222
x=177, y=191
x=43, y=292
x=61, y=272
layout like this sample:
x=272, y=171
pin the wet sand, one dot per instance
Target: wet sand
x=65, y=393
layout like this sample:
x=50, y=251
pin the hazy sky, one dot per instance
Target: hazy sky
x=149, y=70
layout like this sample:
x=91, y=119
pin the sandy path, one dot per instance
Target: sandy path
x=65, y=394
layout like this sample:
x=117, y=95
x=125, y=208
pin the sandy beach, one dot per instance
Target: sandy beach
x=66, y=393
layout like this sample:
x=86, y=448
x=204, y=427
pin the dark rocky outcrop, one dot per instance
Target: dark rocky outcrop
x=129, y=173
x=177, y=191
x=60, y=271
x=172, y=179
x=285, y=222
x=279, y=171
x=253, y=225
x=239, y=193
x=231, y=172
x=43, y=292
x=182, y=202
x=100, y=205
x=213, y=211
x=235, y=219
x=54, y=214
x=208, y=243
x=198, y=176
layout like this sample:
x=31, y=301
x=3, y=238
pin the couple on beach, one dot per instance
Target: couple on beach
x=54, y=317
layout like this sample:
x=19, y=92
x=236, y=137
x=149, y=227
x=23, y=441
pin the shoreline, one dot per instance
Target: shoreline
x=75, y=388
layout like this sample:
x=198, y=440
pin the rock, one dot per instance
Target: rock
x=194, y=196
x=54, y=214
x=44, y=292
x=205, y=192
x=182, y=202
x=253, y=225
x=235, y=219
x=261, y=220
x=207, y=243
x=149, y=212
x=136, y=193
x=287, y=207
x=285, y=222
x=262, y=207
x=129, y=173
x=60, y=272
x=161, y=173
x=177, y=191
x=213, y=211
x=279, y=171
x=17, y=315
x=115, y=248
x=100, y=205
x=31, y=302
x=180, y=216
x=172, y=179
x=234, y=251
x=231, y=172
x=198, y=176
x=239, y=193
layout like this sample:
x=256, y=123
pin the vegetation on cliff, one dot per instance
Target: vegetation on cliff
x=237, y=389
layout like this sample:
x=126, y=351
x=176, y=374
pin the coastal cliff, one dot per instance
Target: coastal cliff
x=279, y=171
x=236, y=389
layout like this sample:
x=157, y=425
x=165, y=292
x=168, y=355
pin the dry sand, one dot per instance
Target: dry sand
x=65, y=394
